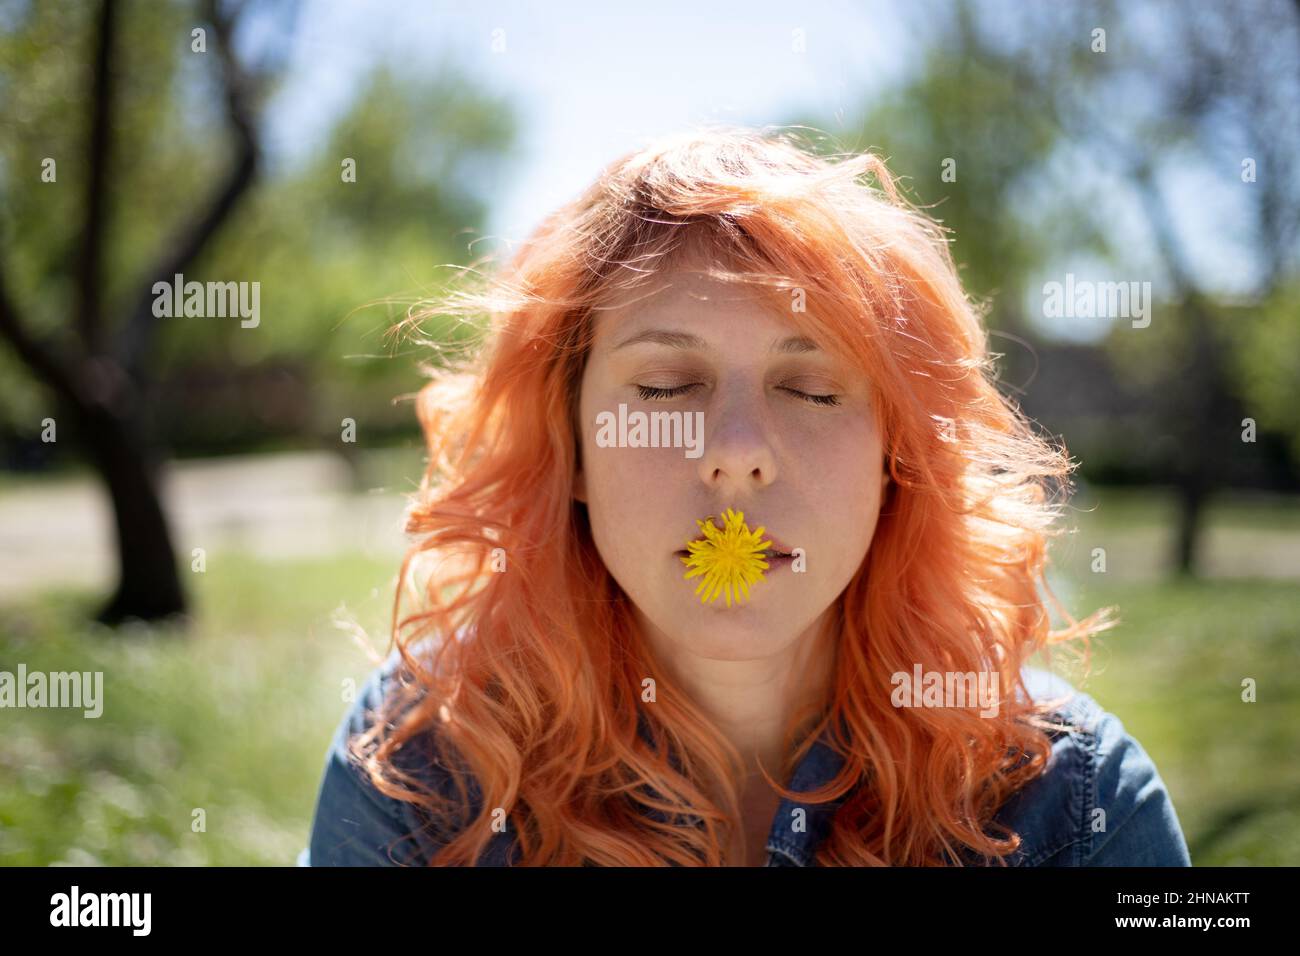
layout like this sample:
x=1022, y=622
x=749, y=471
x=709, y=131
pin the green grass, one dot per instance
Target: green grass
x=234, y=716
x=1172, y=671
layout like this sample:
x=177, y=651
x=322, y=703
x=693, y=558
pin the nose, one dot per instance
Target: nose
x=738, y=457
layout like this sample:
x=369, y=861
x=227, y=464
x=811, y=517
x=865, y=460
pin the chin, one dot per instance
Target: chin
x=735, y=632
x=734, y=647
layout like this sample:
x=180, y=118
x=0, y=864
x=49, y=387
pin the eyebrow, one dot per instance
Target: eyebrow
x=686, y=342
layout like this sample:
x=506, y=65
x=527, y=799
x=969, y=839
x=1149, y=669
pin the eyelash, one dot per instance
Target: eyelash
x=650, y=393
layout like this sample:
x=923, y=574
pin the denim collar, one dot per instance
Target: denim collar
x=796, y=845
x=818, y=767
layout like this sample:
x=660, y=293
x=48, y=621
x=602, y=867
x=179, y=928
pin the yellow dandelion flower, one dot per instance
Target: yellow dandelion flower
x=730, y=558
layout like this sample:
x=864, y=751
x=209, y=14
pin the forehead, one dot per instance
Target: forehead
x=688, y=300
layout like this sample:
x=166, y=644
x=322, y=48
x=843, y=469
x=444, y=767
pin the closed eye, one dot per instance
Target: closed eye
x=651, y=393
x=815, y=399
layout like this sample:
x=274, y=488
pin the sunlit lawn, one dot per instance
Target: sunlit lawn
x=234, y=717
x=1173, y=671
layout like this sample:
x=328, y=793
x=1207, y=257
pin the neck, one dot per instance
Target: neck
x=752, y=702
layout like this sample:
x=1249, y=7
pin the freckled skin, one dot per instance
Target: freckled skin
x=812, y=475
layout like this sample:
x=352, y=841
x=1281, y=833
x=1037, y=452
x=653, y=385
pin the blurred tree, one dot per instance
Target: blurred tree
x=966, y=151
x=99, y=375
x=339, y=259
x=157, y=150
x=1076, y=130
x=1266, y=357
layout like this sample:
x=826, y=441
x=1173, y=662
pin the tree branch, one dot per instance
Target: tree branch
x=41, y=361
x=141, y=328
x=100, y=96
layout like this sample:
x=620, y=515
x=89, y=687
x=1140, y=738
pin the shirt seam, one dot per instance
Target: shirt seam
x=1086, y=802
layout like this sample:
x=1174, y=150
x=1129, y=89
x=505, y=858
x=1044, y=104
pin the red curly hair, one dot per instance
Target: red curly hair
x=538, y=694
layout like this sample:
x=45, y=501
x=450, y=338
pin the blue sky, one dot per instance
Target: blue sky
x=597, y=79
x=594, y=80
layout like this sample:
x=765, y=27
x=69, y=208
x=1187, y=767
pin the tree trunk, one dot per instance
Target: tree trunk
x=1202, y=409
x=149, y=585
x=1191, y=502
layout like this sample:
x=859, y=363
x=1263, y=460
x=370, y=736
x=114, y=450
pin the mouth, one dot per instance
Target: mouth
x=777, y=561
x=726, y=559
x=776, y=551
x=767, y=553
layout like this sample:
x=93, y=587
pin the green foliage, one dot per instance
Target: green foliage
x=1266, y=353
x=969, y=153
x=1066, y=155
x=338, y=262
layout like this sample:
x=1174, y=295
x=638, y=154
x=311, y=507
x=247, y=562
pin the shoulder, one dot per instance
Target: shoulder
x=1101, y=800
x=354, y=823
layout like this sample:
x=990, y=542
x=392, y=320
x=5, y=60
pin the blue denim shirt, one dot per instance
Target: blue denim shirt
x=1098, y=766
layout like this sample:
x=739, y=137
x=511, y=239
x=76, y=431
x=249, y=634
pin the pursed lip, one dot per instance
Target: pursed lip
x=777, y=545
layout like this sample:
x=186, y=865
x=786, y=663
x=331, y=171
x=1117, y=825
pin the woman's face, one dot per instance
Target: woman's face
x=809, y=472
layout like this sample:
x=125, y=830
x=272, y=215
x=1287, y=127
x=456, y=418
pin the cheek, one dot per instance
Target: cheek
x=850, y=475
x=633, y=481
x=630, y=493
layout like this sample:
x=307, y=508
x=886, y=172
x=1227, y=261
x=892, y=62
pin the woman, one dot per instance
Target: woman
x=741, y=549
